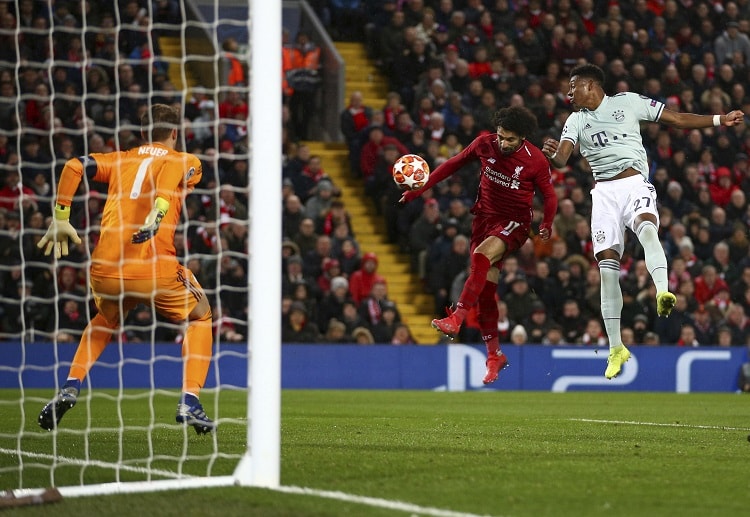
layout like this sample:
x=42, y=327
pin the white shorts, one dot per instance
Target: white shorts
x=614, y=207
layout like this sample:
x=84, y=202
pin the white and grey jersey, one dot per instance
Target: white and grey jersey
x=610, y=136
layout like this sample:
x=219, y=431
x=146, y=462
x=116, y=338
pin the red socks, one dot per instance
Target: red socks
x=480, y=265
x=488, y=315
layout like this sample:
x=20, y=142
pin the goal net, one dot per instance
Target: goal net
x=75, y=79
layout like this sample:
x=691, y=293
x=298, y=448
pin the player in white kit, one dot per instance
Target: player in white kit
x=607, y=129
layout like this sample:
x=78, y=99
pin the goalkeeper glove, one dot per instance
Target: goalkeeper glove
x=58, y=233
x=151, y=225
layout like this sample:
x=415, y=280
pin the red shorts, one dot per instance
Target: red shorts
x=512, y=233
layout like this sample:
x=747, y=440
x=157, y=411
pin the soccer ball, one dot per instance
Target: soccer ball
x=410, y=172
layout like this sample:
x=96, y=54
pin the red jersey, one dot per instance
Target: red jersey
x=508, y=182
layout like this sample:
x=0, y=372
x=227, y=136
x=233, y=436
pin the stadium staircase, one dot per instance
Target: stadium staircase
x=404, y=288
x=202, y=66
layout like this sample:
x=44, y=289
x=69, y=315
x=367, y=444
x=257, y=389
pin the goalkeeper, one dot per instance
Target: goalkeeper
x=135, y=260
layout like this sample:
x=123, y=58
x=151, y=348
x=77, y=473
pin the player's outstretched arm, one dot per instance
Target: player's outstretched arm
x=693, y=121
x=445, y=169
x=61, y=231
x=58, y=234
x=410, y=195
x=153, y=220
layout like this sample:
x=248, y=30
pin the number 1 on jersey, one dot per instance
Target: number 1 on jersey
x=139, y=177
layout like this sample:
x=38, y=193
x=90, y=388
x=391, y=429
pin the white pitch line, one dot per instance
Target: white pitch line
x=92, y=463
x=341, y=496
x=658, y=424
x=375, y=501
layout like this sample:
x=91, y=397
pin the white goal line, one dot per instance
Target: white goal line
x=389, y=504
x=182, y=481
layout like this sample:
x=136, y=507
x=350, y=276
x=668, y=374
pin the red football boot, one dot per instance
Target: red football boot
x=495, y=363
x=450, y=325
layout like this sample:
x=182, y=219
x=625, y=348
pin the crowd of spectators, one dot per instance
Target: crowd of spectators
x=331, y=289
x=87, y=71
x=451, y=64
x=83, y=91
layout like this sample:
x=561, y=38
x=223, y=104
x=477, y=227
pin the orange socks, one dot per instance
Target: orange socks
x=95, y=339
x=197, y=349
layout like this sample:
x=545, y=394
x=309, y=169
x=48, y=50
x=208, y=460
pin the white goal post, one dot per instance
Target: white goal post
x=259, y=464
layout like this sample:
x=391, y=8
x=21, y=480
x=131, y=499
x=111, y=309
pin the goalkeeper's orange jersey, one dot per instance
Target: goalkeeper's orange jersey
x=135, y=178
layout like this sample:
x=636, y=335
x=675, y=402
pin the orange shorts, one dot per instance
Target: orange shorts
x=174, y=297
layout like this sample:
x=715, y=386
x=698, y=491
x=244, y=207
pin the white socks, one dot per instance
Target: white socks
x=656, y=260
x=609, y=269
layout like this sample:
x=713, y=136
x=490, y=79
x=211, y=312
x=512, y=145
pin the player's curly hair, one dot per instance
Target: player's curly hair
x=517, y=119
x=589, y=71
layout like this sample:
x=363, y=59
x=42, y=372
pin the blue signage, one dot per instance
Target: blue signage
x=452, y=367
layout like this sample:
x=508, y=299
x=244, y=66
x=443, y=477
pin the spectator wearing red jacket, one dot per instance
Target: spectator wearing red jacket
x=722, y=187
x=14, y=193
x=374, y=147
x=331, y=268
x=362, y=280
x=708, y=284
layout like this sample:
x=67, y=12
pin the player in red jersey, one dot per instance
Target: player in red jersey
x=511, y=170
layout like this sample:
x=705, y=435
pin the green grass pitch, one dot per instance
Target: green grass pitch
x=472, y=453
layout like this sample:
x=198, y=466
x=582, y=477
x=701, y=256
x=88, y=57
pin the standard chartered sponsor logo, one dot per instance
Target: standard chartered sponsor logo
x=501, y=179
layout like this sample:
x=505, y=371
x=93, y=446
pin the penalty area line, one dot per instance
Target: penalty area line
x=375, y=501
x=659, y=424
